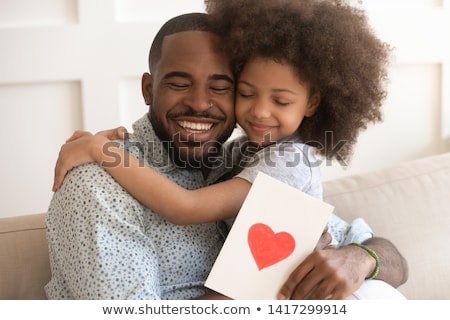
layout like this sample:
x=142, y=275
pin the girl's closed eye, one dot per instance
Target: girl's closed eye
x=281, y=102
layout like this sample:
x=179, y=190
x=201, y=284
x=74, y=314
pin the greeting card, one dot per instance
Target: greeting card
x=276, y=228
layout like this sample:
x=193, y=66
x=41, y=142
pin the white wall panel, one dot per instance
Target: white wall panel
x=410, y=128
x=417, y=110
x=445, y=116
x=35, y=121
x=26, y=13
x=131, y=102
x=144, y=10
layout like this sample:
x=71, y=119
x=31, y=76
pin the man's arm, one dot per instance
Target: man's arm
x=393, y=266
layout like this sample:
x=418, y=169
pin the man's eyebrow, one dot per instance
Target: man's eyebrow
x=221, y=77
x=175, y=74
x=181, y=74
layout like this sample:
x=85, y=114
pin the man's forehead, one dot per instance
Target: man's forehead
x=193, y=49
x=191, y=40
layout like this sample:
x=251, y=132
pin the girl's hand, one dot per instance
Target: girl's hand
x=78, y=134
x=114, y=134
x=77, y=151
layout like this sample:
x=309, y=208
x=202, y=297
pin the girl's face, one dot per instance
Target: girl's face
x=271, y=101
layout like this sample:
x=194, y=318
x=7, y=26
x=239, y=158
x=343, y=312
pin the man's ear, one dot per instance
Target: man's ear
x=147, y=86
x=313, y=104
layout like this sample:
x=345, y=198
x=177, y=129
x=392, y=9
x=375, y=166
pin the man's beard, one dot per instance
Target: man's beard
x=191, y=154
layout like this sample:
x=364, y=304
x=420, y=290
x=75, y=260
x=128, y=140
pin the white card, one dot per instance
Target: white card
x=276, y=228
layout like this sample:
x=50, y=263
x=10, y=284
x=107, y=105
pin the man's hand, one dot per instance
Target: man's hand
x=335, y=273
x=325, y=239
x=330, y=273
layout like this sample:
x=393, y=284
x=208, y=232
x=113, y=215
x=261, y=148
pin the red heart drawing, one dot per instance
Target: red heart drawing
x=268, y=247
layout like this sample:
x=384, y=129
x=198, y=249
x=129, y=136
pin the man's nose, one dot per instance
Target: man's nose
x=198, y=99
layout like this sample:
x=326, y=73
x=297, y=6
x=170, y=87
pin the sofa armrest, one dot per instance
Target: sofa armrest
x=25, y=266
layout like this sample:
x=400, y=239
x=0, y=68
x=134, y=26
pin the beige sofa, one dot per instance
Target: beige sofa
x=408, y=203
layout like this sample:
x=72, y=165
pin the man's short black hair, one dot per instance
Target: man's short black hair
x=195, y=21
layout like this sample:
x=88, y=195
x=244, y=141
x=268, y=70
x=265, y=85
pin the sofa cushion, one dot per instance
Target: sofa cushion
x=410, y=205
x=24, y=267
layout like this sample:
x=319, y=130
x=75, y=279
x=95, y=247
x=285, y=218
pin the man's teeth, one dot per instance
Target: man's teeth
x=195, y=125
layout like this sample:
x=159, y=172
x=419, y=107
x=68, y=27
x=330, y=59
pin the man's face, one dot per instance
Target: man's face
x=191, y=93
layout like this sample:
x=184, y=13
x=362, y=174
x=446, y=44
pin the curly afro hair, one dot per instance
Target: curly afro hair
x=332, y=48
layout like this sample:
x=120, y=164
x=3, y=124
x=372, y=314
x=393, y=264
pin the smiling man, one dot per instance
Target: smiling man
x=103, y=243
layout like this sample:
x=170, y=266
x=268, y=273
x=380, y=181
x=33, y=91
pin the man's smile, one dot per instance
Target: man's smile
x=195, y=127
x=196, y=130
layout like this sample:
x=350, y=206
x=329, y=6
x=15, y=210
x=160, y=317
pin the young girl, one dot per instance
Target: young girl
x=309, y=78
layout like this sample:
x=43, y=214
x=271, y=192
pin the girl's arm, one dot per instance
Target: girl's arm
x=169, y=200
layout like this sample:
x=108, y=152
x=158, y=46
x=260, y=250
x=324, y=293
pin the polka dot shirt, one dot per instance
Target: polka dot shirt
x=104, y=244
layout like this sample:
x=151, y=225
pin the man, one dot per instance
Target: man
x=105, y=245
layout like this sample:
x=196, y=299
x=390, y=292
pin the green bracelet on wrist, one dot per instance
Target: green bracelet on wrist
x=374, y=274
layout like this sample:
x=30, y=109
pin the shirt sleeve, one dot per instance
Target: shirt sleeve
x=344, y=233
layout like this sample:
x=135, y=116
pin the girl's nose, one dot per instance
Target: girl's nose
x=261, y=110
